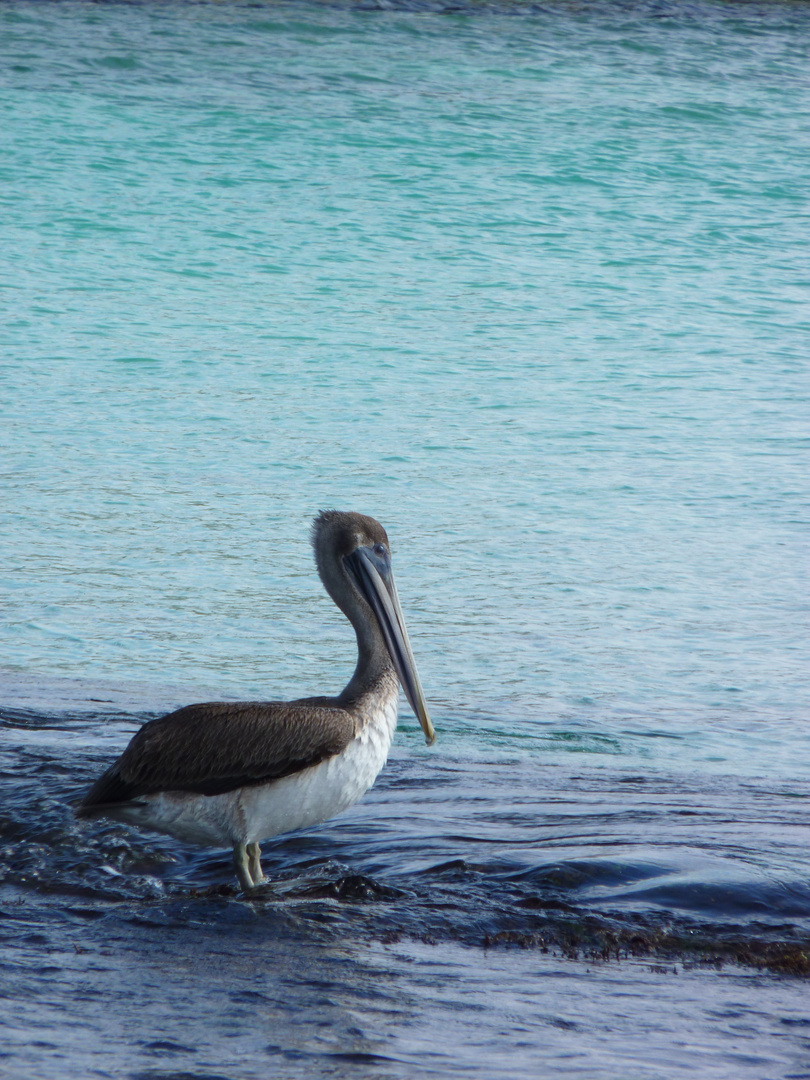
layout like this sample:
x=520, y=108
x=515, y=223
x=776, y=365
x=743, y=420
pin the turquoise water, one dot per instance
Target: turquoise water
x=529, y=285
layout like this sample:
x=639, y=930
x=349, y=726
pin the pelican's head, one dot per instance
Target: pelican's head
x=353, y=557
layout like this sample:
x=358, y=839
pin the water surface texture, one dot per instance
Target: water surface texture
x=530, y=285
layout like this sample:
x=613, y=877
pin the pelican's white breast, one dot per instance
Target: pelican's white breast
x=298, y=801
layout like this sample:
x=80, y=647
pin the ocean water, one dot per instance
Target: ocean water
x=530, y=284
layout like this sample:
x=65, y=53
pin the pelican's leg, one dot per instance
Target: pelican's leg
x=240, y=862
x=254, y=852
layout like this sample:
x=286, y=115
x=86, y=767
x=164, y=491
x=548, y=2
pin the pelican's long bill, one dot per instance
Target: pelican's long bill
x=371, y=570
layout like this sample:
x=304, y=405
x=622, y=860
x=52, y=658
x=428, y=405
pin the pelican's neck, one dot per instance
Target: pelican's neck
x=373, y=661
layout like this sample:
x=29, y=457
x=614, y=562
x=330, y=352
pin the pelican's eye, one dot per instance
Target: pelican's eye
x=379, y=549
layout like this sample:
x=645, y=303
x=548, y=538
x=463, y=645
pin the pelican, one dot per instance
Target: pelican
x=236, y=773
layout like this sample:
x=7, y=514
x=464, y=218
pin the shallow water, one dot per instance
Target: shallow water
x=529, y=284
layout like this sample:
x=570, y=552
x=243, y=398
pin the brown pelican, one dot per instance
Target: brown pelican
x=237, y=773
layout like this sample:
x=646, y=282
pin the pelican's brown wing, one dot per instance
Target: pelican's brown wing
x=217, y=747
